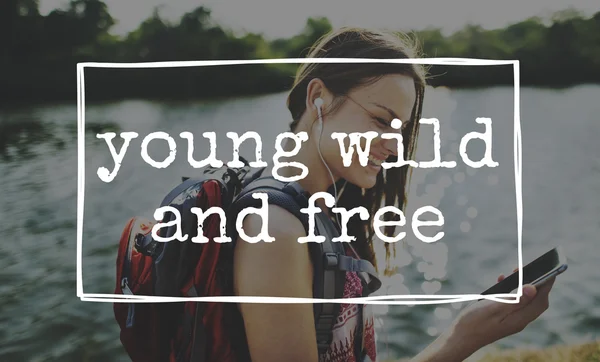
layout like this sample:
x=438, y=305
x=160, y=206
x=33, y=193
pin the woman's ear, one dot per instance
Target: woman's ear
x=314, y=90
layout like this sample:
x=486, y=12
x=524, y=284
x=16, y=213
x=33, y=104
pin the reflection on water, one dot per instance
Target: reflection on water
x=25, y=136
x=19, y=135
x=41, y=318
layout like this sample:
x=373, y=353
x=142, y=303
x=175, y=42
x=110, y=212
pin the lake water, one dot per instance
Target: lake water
x=42, y=319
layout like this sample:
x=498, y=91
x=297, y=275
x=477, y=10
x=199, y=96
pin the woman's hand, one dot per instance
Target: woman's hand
x=485, y=322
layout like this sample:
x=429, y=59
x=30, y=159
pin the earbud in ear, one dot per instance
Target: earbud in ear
x=319, y=103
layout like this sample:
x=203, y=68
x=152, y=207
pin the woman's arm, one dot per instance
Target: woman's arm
x=286, y=332
x=276, y=332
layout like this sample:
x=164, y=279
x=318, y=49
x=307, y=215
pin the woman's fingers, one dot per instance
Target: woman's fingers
x=529, y=294
x=534, y=308
x=538, y=294
x=546, y=287
x=530, y=308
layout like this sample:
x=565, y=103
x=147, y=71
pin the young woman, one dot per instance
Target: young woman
x=329, y=98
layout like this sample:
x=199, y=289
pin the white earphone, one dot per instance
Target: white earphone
x=318, y=104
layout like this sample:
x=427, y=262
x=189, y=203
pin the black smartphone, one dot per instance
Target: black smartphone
x=537, y=272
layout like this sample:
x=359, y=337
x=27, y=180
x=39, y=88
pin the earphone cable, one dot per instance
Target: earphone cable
x=325, y=163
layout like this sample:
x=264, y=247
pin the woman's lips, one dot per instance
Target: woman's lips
x=375, y=161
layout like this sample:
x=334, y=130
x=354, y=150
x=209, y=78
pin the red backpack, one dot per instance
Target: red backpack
x=206, y=331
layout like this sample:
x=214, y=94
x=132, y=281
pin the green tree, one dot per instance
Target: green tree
x=92, y=20
x=299, y=45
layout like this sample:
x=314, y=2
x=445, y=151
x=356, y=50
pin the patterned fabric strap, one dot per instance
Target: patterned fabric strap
x=364, y=268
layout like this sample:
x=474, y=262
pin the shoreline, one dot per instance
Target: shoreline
x=588, y=352
x=19, y=103
x=578, y=352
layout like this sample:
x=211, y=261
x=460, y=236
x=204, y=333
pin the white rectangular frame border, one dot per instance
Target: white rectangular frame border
x=387, y=300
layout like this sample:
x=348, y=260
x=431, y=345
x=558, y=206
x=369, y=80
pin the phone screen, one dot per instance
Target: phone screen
x=532, y=271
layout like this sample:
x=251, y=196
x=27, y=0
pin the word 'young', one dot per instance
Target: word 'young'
x=311, y=210
x=107, y=176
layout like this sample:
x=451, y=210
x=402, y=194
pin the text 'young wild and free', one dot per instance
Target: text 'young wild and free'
x=354, y=142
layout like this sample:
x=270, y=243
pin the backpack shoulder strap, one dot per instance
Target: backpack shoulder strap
x=289, y=196
x=329, y=281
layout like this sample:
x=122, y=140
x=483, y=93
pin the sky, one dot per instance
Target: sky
x=284, y=18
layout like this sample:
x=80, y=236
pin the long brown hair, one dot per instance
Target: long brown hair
x=340, y=79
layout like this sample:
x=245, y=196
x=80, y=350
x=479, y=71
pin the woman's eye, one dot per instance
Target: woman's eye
x=382, y=122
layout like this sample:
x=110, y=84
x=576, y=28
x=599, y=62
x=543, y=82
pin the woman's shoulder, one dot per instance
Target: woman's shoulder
x=260, y=267
x=277, y=253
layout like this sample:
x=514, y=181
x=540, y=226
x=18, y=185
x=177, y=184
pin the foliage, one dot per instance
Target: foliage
x=40, y=53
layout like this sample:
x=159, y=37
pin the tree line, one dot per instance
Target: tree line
x=40, y=53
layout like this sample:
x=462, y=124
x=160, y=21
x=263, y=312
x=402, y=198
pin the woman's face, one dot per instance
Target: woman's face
x=368, y=108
